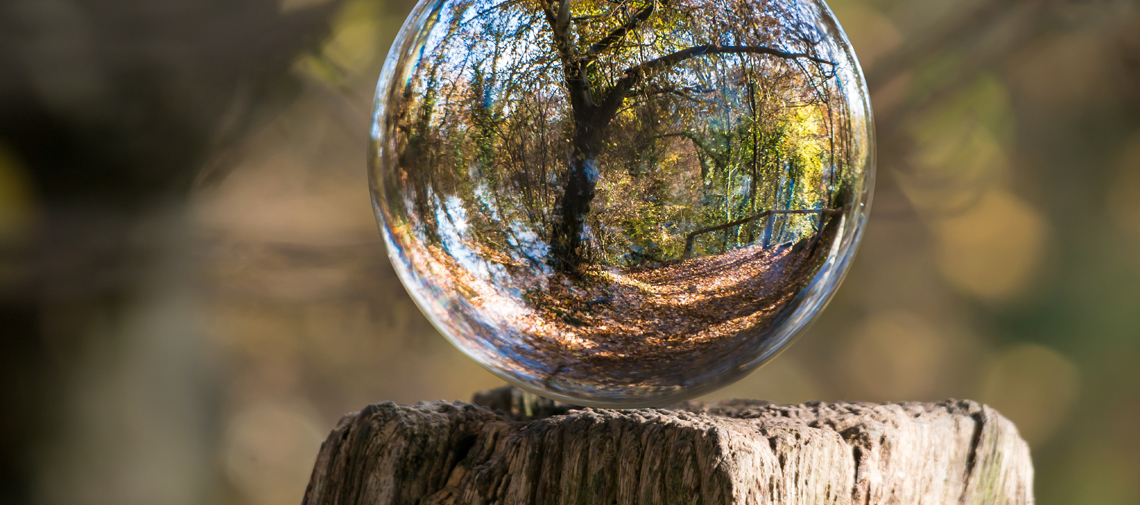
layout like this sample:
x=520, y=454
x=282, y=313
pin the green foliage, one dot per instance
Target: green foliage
x=620, y=128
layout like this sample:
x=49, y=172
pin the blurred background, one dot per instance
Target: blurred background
x=193, y=288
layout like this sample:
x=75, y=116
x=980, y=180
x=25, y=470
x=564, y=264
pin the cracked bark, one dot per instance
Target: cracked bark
x=517, y=448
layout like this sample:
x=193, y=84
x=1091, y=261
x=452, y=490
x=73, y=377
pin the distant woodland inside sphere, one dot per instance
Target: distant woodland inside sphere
x=621, y=202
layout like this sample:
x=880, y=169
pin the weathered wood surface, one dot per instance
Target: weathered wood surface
x=534, y=451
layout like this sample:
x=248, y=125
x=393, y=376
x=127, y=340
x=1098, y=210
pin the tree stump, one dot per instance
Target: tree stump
x=512, y=447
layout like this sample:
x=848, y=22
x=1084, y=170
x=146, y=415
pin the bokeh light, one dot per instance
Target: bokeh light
x=196, y=289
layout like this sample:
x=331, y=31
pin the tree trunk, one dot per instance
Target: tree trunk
x=567, y=247
x=771, y=221
x=534, y=451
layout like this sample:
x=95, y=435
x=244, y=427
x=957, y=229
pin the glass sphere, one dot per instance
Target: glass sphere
x=621, y=203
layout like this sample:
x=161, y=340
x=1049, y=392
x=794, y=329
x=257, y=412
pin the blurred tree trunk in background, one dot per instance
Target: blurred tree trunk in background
x=108, y=111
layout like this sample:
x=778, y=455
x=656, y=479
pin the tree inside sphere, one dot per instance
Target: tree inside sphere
x=621, y=203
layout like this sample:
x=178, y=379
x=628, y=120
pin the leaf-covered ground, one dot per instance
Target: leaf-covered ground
x=617, y=329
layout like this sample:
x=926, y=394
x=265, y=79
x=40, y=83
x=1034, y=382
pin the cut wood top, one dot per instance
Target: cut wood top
x=528, y=450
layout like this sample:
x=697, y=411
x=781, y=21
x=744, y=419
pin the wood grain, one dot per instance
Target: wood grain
x=521, y=449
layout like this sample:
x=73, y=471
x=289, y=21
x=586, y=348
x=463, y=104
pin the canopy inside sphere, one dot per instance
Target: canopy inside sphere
x=621, y=203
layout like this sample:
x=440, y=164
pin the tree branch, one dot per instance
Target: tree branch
x=578, y=91
x=495, y=7
x=689, y=238
x=638, y=73
x=563, y=20
x=618, y=34
x=558, y=17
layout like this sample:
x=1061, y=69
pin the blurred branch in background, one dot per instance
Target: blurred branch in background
x=194, y=290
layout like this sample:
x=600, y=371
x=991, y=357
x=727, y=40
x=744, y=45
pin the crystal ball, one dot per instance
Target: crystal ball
x=621, y=203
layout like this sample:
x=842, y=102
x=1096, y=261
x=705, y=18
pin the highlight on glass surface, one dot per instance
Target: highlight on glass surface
x=621, y=202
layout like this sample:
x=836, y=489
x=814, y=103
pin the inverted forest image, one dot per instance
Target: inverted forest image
x=621, y=197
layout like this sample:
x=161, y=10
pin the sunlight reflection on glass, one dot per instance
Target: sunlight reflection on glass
x=621, y=203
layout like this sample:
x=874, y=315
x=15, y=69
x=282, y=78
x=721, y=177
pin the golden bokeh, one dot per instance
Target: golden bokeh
x=960, y=149
x=898, y=356
x=784, y=380
x=267, y=447
x=994, y=250
x=1034, y=386
x=16, y=200
x=196, y=350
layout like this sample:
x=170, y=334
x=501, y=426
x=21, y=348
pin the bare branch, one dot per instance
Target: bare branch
x=618, y=34
x=689, y=238
x=500, y=5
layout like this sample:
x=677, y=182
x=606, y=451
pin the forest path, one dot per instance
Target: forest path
x=643, y=321
x=615, y=329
